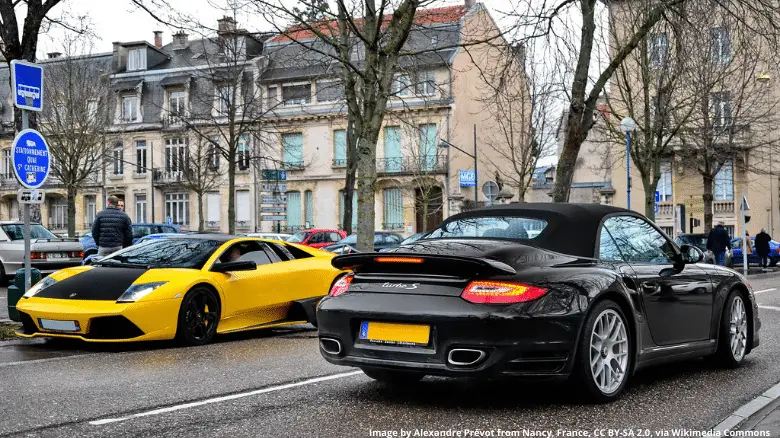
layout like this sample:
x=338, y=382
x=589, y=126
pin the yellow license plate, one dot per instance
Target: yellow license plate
x=390, y=333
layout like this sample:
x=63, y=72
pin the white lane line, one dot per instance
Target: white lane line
x=225, y=398
x=764, y=291
x=769, y=307
x=49, y=359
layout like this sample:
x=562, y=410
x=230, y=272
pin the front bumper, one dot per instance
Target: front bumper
x=517, y=340
x=101, y=321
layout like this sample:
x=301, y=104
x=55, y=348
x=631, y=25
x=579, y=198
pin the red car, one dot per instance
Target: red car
x=317, y=238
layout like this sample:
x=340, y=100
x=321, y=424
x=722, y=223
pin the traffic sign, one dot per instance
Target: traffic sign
x=274, y=175
x=30, y=158
x=281, y=199
x=274, y=218
x=467, y=178
x=27, y=84
x=273, y=209
x=273, y=187
x=30, y=196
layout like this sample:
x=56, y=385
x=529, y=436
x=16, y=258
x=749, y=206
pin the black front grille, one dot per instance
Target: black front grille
x=28, y=325
x=112, y=327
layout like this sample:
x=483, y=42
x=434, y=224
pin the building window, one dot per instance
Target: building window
x=273, y=98
x=242, y=153
x=401, y=85
x=136, y=59
x=308, y=202
x=296, y=94
x=58, y=219
x=92, y=109
x=224, y=98
x=214, y=153
x=294, y=209
x=724, y=183
x=213, y=206
x=659, y=48
x=242, y=209
x=426, y=83
x=140, y=157
x=176, y=103
x=140, y=208
x=340, y=148
x=354, y=208
x=393, y=209
x=119, y=164
x=292, y=149
x=721, y=45
x=175, y=154
x=177, y=207
x=8, y=166
x=721, y=109
x=664, y=187
x=329, y=91
x=130, y=108
x=427, y=149
x=90, y=210
x=393, y=159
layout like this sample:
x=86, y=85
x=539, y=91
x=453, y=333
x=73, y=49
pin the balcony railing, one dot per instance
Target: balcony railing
x=242, y=224
x=212, y=224
x=665, y=209
x=392, y=226
x=340, y=162
x=173, y=122
x=139, y=174
x=412, y=165
x=723, y=207
x=292, y=165
x=8, y=181
x=168, y=176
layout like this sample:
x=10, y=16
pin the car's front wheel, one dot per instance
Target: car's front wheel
x=198, y=317
x=734, y=336
x=604, y=356
x=392, y=376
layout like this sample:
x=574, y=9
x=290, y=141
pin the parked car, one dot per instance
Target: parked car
x=382, y=241
x=92, y=258
x=699, y=240
x=317, y=238
x=753, y=259
x=48, y=253
x=273, y=236
x=139, y=230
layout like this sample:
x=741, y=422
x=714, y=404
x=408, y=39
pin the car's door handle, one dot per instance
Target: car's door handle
x=650, y=287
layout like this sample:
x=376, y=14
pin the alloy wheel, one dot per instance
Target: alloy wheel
x=201, y=317
x=609, y=351
x=738, y=329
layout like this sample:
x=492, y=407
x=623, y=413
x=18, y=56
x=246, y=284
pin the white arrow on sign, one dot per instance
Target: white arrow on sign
x=273, y=209
x=274, y=199
x=274, y=218
x=273, y=187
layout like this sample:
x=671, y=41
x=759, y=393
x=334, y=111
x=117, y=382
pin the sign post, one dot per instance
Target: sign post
x=29, y=151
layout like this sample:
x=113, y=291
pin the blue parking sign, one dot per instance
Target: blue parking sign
x=27, y=83
x=30, y=158
x=467, y=178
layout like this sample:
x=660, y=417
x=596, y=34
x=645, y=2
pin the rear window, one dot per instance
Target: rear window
x=490, y=227
x=16, y=232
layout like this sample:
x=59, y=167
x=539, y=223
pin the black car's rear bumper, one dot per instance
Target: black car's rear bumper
x=526, y=340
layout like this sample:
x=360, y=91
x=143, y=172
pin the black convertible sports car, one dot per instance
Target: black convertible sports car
x=598, y=293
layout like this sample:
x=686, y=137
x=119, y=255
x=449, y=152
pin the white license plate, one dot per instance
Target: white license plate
x=56, y=255
x=60, y=326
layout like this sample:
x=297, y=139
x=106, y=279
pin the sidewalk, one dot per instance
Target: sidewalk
x=766, y=420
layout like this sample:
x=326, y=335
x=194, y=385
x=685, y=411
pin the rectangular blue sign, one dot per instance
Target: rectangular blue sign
x=27, y=83
x=467, y=178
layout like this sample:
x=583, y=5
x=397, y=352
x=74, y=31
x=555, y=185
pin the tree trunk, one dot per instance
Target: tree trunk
x=71, y=211
x=365, y=186
x=575, y=136
x=349, y=183
x=647, y=184
x=232, y=190
x=707, y=198
x=200, y=212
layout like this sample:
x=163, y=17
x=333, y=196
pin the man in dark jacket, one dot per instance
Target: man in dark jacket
x=762, y=247
x=112, y=229
x=718, y=242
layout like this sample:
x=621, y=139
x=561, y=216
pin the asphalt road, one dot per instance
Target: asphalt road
x=274, y=383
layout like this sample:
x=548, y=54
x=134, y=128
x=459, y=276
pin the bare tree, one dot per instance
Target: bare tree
x=75, y=117
x=201, y=171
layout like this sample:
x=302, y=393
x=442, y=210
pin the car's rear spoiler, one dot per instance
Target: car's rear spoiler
x=396, y=262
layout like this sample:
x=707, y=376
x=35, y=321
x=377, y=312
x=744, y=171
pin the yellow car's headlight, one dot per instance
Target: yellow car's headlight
x=137, y=291
x=39, y=286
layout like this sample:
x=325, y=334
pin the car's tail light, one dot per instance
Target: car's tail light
x=501, y=292
x=341, y=286
x=76, y=254
x=398, y=260
x=37, y=256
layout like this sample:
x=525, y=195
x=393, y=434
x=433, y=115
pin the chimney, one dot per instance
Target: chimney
x=470, y=3
x=226, y=25
x=180, y=40
x=53, y=55
x=158, y=39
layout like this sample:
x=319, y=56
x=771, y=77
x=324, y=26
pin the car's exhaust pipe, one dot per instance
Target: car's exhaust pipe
x=463, y=357
x=330, y=346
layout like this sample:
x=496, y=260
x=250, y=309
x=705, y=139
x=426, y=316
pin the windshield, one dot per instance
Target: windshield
x=16, y=232
x=299, y=237
x=490, y=227
x=349, y=240
x=169, y=253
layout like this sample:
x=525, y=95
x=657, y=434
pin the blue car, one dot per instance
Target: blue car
x=139, y=231
x=754, y=259
x=94, y=257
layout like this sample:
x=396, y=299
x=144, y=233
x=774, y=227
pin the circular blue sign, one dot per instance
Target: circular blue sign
x=30, y=158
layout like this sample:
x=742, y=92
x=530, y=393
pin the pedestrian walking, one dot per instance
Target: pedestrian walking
x=748, y=244
x=762, y=247
x=718, y=241
x=112, y=228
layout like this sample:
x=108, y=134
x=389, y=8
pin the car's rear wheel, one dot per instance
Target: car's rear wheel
x=733, y=338
x=604, y=355
x=393, y=377
x=198, y=317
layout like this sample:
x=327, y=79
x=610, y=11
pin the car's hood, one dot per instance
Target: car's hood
x=101, y=282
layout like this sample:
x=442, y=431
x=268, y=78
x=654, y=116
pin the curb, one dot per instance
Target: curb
x=744, y=412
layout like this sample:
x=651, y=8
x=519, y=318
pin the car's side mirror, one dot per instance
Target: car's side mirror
x=691, y=254
x=234, y=267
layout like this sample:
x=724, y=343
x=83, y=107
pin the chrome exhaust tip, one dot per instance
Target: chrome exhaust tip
x=330, y=346
x=464, y=357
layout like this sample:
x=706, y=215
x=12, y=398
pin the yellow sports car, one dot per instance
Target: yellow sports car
x=187, y=287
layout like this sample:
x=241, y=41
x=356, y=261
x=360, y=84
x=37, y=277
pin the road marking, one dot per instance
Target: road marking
x=49, y=359
x=764, y=291
x=225, y=398
x=769, y=307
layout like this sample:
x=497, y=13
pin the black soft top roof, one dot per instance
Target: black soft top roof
x=571, y=228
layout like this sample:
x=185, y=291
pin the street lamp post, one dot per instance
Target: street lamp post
x=628, y=125
x=445, y=144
